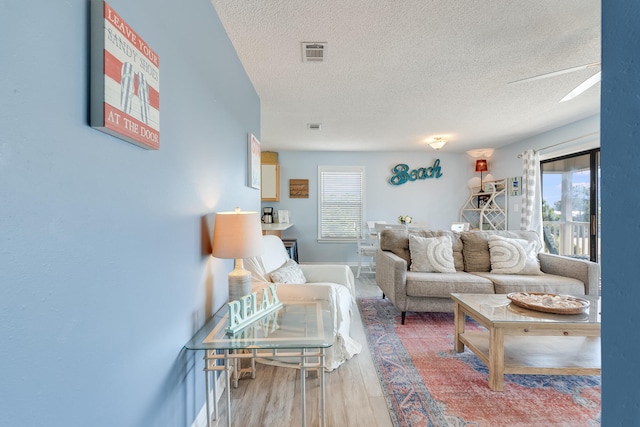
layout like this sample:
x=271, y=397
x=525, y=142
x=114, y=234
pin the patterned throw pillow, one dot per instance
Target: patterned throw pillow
x=431, y=254
x=513, y=256
x=290, y=272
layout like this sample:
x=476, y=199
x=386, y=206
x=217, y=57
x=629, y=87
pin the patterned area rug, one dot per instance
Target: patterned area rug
x=426, y=383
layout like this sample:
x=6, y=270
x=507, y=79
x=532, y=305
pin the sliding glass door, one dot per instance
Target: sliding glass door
x=571, y=205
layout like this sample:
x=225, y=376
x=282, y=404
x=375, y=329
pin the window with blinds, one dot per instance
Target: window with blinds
x=340, y=202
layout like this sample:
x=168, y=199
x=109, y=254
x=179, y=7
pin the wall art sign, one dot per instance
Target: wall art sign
x=298, y=188
x=254, y=162
x=125, y=80
x=402, y=173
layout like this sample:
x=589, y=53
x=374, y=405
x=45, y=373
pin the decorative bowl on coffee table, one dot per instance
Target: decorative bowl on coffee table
x=549, y=303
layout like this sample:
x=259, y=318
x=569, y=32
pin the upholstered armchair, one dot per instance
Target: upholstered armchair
x=299, y=282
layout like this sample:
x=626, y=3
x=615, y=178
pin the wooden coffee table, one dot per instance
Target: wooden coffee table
x=522, y=341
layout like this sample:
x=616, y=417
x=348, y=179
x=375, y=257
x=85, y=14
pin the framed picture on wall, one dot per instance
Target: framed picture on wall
x=253, y=167
x=125, y=80
x=515, y=187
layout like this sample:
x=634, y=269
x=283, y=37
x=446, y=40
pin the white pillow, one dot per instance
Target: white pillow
x=513, y=256
x=431, y=254
x=289, y=272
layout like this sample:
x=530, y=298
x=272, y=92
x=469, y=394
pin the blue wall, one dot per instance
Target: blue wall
x=103, y=245
x=620, y=154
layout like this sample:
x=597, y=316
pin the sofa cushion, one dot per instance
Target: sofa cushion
x=431, y=254
x=513, y=256
x=442, y=285
x=290, y=272
x=547, y=283
x=475, y=250
x=397, y=241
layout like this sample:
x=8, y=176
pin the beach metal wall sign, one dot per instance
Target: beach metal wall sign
x=402, y=173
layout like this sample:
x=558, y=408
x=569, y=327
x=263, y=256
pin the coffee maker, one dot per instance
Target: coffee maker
x=267, y=215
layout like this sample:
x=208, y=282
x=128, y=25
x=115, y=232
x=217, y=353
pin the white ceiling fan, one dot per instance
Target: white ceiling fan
x=578, y=89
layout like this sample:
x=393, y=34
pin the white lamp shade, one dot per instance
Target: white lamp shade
x=237, y=235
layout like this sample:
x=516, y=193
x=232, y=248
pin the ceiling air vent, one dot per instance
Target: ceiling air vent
x=314, y=126
x=313, y=52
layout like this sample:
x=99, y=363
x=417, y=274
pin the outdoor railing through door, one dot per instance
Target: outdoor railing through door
x=570, y=238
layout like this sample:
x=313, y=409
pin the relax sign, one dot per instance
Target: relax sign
x=402, y=174
x=248, y=309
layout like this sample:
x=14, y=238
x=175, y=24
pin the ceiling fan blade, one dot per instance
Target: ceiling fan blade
x=556, y=73
x=583, y=86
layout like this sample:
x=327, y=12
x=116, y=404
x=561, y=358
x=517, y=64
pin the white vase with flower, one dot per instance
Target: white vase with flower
x=405, y=220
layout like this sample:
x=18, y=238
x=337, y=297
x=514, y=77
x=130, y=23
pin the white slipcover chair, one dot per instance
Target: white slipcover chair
x=332, y=283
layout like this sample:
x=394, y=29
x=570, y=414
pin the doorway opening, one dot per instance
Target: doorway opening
x=571, y=205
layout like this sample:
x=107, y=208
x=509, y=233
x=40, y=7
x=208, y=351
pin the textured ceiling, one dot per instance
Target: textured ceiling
x=398, y=73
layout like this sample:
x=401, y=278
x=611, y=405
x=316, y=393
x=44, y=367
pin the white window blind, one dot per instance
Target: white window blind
x=340, y=202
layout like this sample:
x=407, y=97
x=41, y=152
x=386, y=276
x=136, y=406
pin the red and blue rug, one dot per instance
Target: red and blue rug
x=426, y=383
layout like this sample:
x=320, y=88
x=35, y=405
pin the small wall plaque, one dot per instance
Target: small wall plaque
x=298, y=188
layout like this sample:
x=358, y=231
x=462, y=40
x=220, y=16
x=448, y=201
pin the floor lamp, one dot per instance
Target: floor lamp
x=237, y=235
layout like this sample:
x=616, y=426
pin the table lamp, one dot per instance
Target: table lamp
x=237, y=235
x=481, y=166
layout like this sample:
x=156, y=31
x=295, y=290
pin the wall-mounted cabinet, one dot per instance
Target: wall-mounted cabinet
x=269, y=177
x=270, y=183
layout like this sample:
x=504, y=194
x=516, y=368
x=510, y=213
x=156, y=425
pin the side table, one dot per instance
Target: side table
x=292, y=247
x=299, y=329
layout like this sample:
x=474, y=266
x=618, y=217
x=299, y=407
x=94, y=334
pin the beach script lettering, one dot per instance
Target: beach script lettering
x=402, y=174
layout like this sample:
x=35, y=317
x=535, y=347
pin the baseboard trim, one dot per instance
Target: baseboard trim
x=201, y=419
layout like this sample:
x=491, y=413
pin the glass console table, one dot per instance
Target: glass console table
x=299, y=331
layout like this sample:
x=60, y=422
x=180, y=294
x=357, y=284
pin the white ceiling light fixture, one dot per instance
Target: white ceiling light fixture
x=314, y=52
x=438, y=143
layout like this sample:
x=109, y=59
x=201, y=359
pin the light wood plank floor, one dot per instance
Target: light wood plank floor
x=353, y=393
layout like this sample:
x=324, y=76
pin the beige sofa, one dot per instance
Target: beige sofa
x=422, y=291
